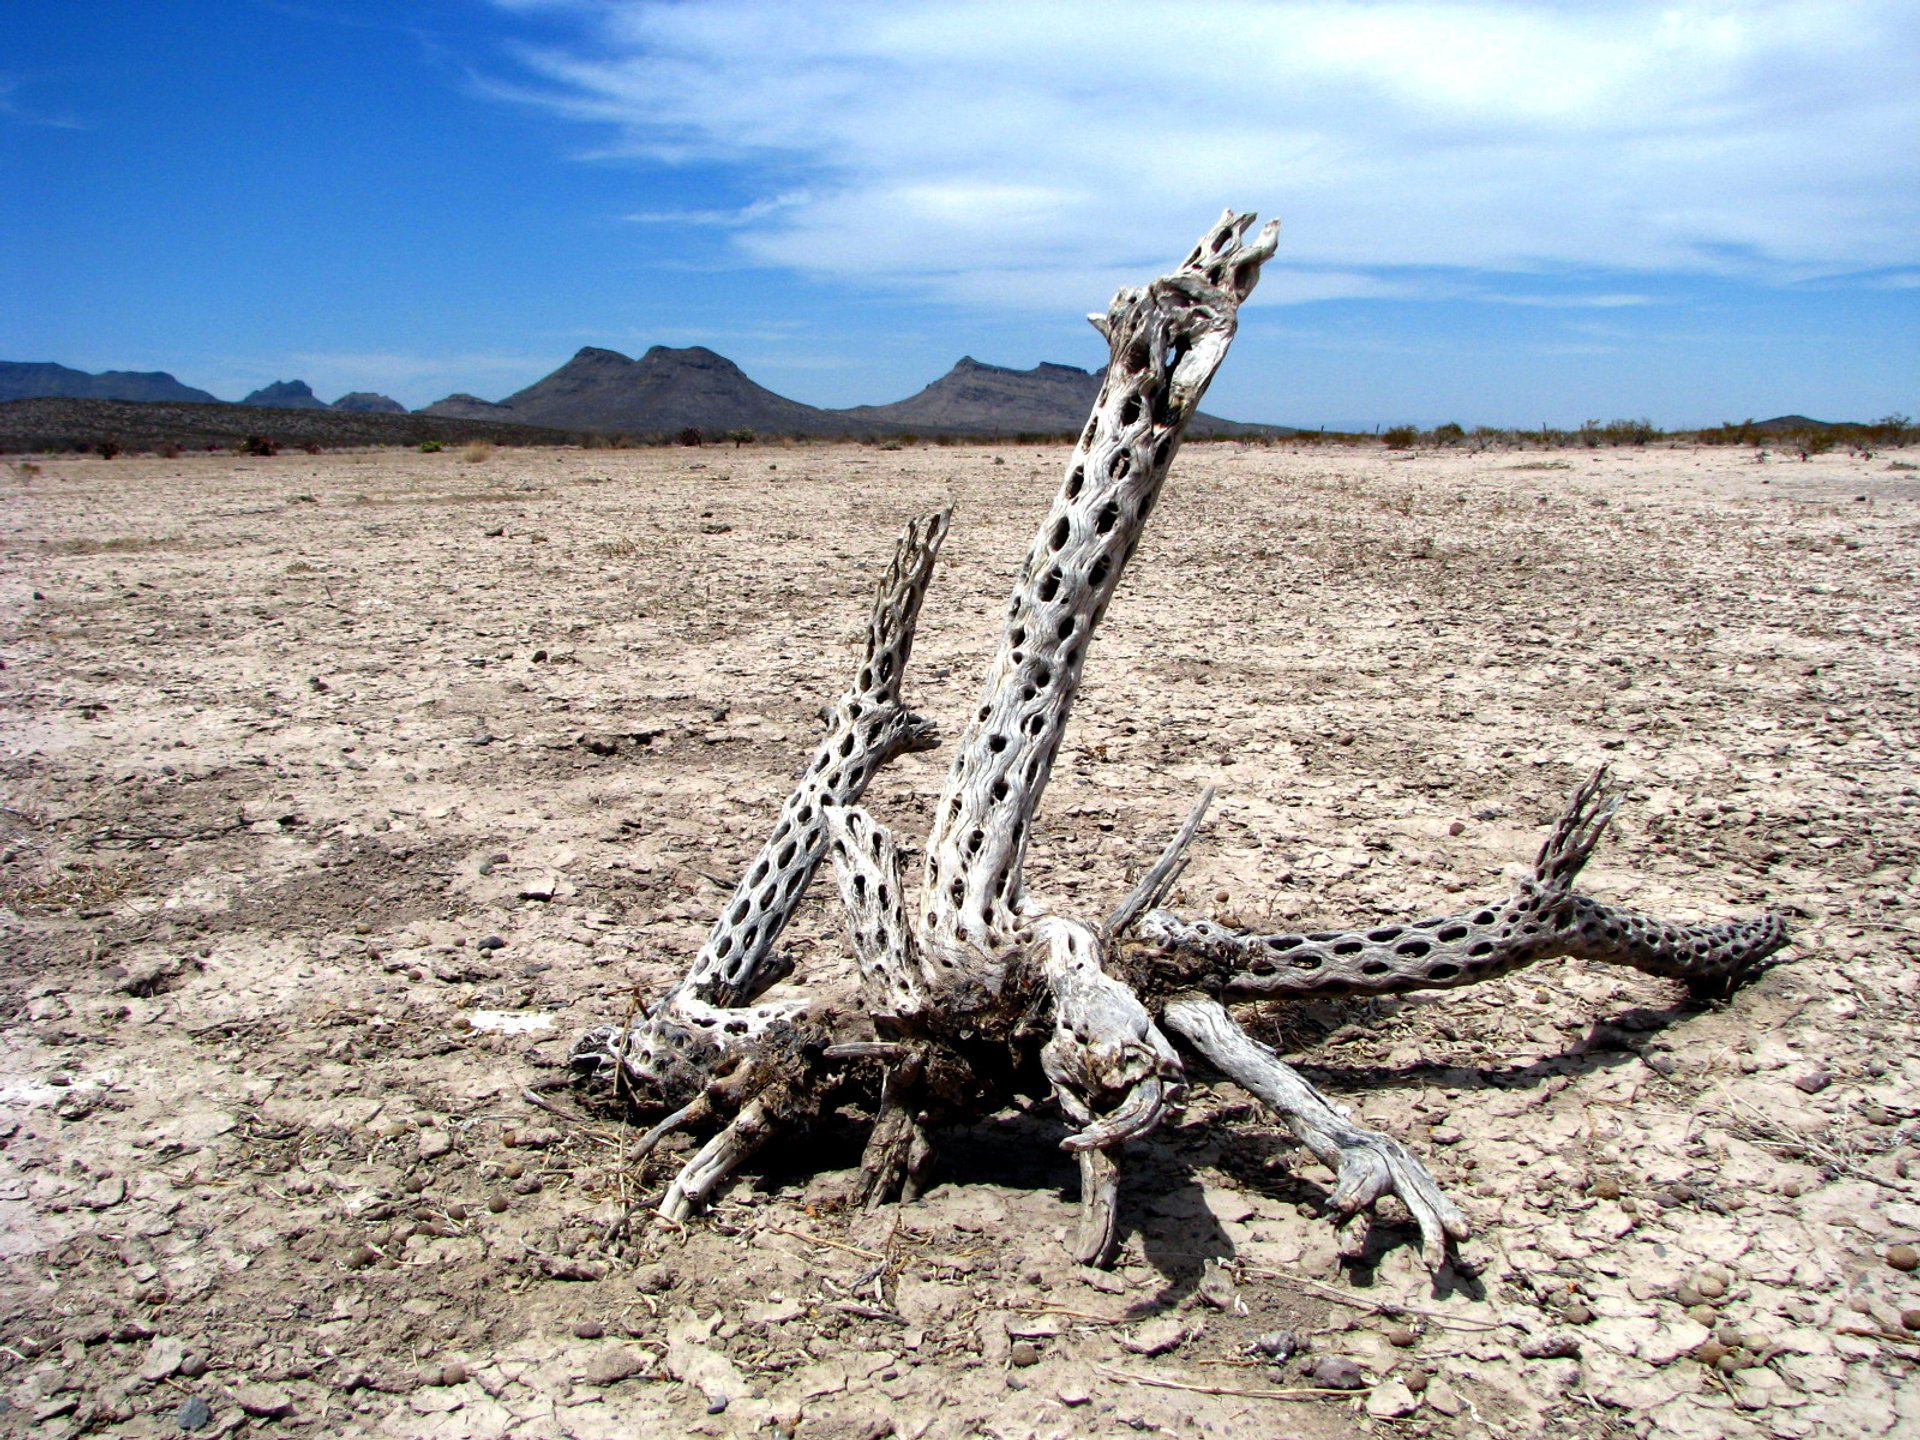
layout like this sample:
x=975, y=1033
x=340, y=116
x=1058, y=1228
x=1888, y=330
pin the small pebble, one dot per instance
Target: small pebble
x=1402, y=1335
x=1687, y=1295
x=193, y=1366
x=588, y=1330
x=456, y=1213
x=1813, y=1082
x=193, y=1414
x=1576, y=1314
x=497, y=1203
x=1702, y=1315
x=1903, y=1257
x=491, y=942
x=716, y=1404
x=527, y=1185
x=1458, y=827
x=1417, y=1381
x=1710, y=1286
x=1276, y=1345
x=1710, y=1352
x=1910, y=1319
x=1024, y=1353
x=453, y=1373
x=1605, y=1188
x=1554, y=1345
x=361, y=1256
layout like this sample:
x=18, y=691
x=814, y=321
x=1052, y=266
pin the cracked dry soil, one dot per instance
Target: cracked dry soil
x=312, y=763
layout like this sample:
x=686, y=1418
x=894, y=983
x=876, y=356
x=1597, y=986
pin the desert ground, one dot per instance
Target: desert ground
x=342, y=792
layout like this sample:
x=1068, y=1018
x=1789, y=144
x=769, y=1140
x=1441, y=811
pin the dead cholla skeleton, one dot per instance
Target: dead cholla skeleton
x=982, y=990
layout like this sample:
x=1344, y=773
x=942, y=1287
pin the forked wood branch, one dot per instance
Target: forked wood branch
x=988, y=991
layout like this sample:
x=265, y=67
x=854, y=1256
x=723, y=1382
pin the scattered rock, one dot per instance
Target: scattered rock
x=588, y=1330
x=490, y=942
x=1553, y=1345
x=1813, y=1082
x=1391, y=1400
x=1443, y=1398
x=611, y=1366
x=1403, y=1336
x=265, y=1402
x=434, y=1143
x=1903, y=1257
x=1073, y=1394
x=1024, y=1353
x=193, y=1414
x=452, y=1373
x=1336, y=1372
x=1277, y=1345
x=360, y=1257
x=162, y=1359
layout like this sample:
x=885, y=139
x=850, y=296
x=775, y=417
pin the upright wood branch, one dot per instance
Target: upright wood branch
x=670, y=1054
x=1167, y=340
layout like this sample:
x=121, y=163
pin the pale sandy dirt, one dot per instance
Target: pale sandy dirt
x=285, y=739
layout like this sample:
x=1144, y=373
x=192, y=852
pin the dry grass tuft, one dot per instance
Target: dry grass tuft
x=74, y=888
x=475, y=451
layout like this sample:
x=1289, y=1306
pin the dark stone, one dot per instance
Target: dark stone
x=193, y=1414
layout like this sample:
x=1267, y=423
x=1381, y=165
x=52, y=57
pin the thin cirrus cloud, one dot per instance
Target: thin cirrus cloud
x=984, y=153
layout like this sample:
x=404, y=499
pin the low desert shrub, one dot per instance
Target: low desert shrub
x=430, y=447
x=1400, y=437
x=476, y=451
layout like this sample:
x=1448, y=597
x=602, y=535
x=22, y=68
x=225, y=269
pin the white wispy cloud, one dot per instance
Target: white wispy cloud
x=13, y=108
x=984, y=151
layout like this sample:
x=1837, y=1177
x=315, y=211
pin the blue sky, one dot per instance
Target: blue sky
x=1495, y=213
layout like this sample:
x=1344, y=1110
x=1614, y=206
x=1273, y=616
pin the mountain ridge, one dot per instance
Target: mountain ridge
x=668, y=390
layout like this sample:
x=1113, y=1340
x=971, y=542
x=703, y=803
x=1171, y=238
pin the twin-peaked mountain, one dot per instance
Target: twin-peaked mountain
x=668, y=390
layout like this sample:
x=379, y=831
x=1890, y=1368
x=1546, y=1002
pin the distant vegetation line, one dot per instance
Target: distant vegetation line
x=115, y=427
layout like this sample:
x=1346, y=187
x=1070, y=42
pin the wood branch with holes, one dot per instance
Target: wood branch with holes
x=970, y=990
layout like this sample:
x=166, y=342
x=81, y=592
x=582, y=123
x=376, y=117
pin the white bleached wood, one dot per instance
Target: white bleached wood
x=957, y=1005
x=1166, y=340
x=1543, y=919
x=672, y=1050
x=1368, y=1164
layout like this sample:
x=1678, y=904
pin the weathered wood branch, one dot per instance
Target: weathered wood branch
x=670, y=1054
x=983, y=991
x=1166, y=340
x=1368, y=1164
x=1544, y=919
